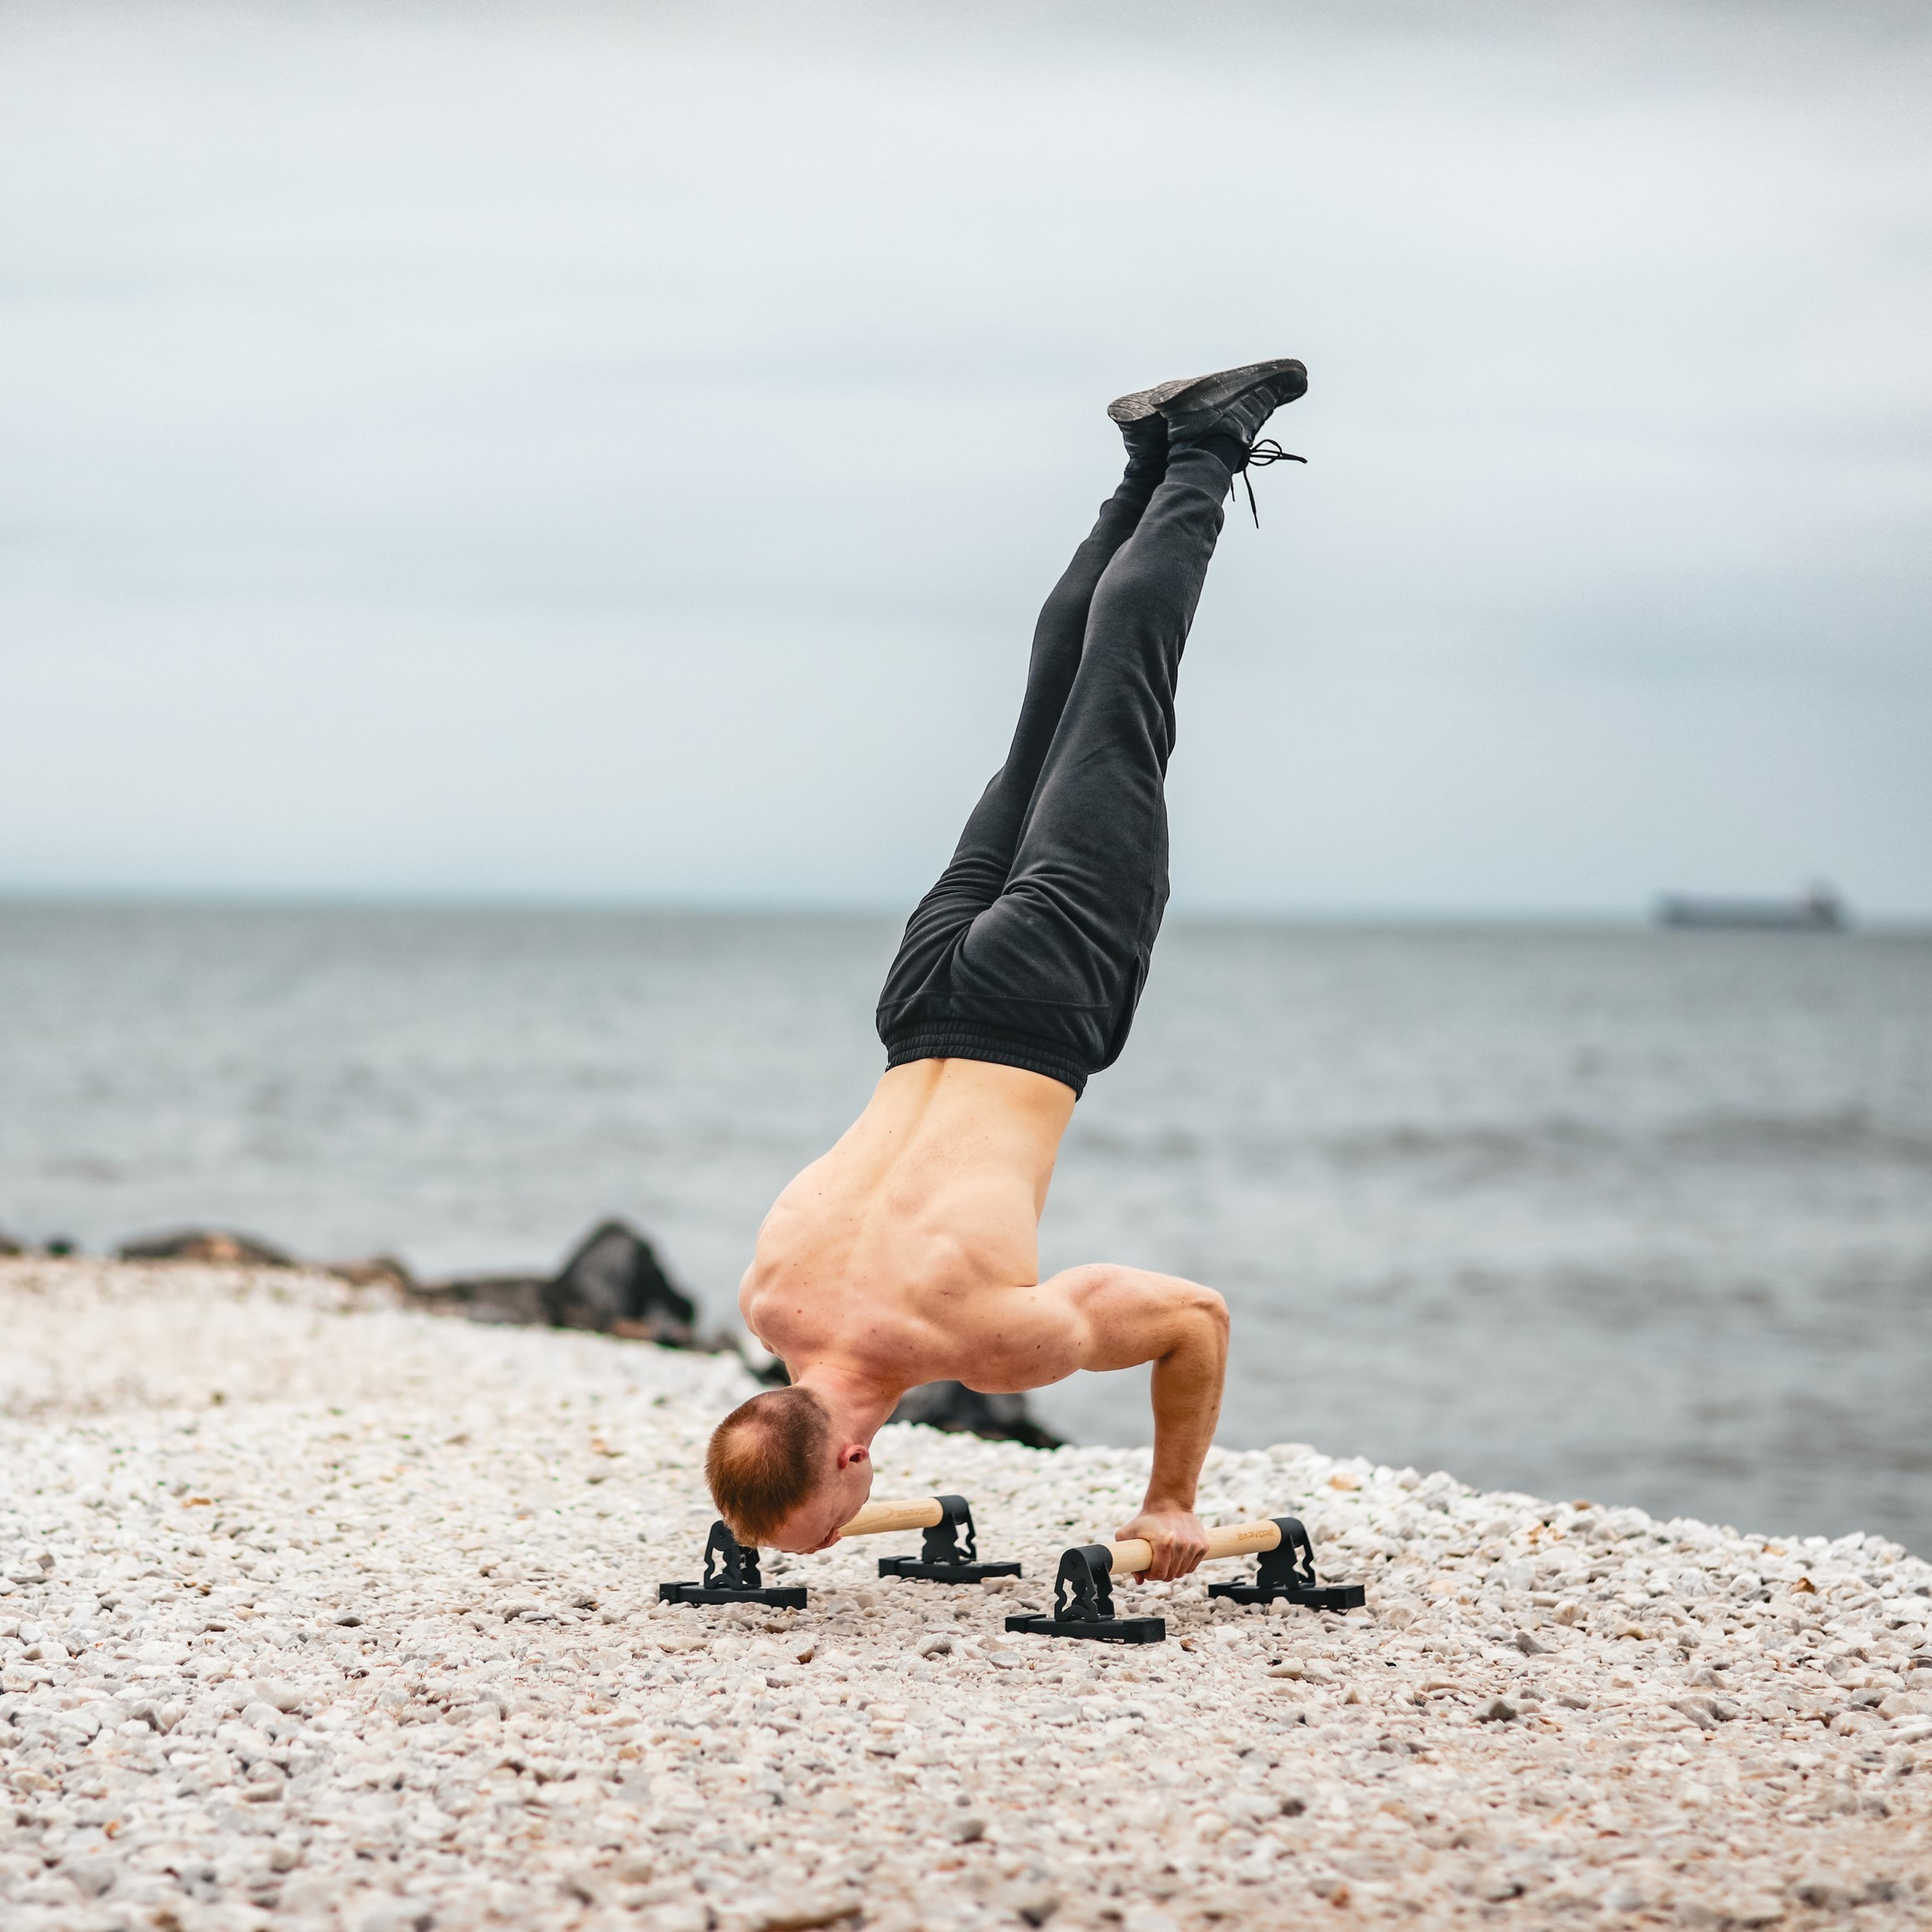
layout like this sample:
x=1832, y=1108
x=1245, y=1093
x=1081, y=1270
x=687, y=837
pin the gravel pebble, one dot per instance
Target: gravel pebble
x=320, y=1612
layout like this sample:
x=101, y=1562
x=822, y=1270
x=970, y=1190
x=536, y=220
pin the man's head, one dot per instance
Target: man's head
x=782, y=1474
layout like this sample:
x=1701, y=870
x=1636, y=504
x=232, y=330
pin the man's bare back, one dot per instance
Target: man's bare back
x=911, y=1248
x=910, y=1253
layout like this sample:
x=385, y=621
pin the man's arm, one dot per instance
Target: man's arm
x=1118, y=1317
x=1182, y=1328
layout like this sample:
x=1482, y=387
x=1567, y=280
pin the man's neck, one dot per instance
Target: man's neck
x=858, y=1404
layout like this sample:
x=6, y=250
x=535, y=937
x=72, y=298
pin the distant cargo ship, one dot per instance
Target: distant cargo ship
x=1820, y=909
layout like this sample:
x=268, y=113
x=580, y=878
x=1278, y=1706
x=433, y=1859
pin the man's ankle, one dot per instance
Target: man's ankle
x=1227, y=450
x=1147, y=445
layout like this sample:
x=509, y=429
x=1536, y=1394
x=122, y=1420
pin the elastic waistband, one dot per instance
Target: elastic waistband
x=951, y=1040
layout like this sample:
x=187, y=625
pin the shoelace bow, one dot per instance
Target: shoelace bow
x=1263, y=453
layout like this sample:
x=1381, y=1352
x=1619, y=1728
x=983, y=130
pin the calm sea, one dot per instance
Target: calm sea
x=1639, y=1216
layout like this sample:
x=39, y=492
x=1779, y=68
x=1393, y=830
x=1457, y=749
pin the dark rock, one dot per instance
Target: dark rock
x=518, y=1299
x=960, y=1411
x=8, y=1245
x=614, y=1282
x=204, y=1244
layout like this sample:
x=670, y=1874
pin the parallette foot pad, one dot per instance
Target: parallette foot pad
x=791, y=1596
x=925, y=1572
x=1319, y=1597
x=1095, y=1629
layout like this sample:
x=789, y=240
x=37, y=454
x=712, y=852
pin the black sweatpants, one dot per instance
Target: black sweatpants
x=1032, y=948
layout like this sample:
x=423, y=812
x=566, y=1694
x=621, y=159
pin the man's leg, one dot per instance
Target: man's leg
x=1047, y=976
x=1071, y=938
x=982, y=861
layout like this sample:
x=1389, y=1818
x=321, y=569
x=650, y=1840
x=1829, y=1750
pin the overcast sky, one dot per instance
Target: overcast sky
x=619, y=452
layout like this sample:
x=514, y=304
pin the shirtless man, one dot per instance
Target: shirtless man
x=909, y=1253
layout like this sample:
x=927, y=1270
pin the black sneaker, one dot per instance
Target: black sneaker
x=1232, y=403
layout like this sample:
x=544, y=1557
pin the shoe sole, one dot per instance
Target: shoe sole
x=1139, y=405
x=1211, y=394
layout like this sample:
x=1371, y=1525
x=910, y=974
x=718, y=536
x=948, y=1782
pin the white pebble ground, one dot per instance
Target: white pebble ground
x=318, y=1613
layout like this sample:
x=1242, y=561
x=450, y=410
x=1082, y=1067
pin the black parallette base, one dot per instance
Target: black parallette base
x=780, y=1597
x=1095, y=1629
x=925, y=1572
x=1318, y=1597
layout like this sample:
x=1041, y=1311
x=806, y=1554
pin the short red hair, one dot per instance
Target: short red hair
x=766, y=1458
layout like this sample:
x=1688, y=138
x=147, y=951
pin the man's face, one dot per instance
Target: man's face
x=815, y=1524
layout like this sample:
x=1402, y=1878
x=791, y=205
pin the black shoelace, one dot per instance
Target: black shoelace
x=1265, y=452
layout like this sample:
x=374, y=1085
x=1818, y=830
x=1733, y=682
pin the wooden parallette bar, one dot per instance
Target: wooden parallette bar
x=1233, y=1539
x=948, y=1554
x=948, y=1551
x=1083, y=1590
x=876, y=1518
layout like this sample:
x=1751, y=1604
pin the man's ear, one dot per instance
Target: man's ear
x=852, y=1452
